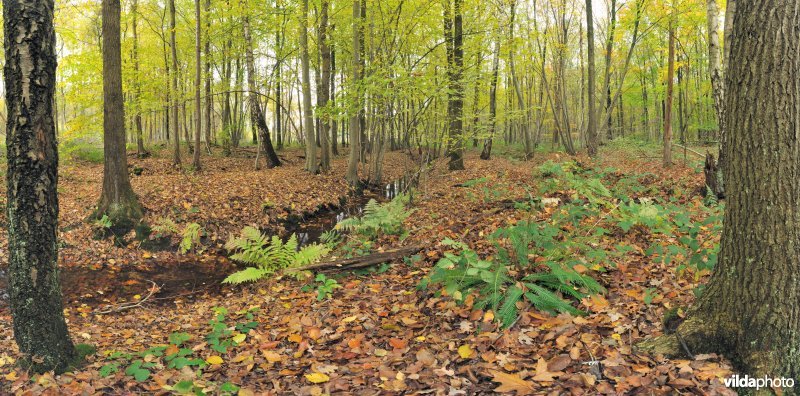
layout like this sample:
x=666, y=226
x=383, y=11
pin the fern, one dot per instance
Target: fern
x=191, y=237
x=165, y=226
x=379, y=219
x=268, y=255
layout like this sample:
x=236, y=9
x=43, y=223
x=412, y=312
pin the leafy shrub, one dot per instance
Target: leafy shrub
x=498, y=288
x=379, y=219
x=325, y=286
x=165, y=227
x=268, y=255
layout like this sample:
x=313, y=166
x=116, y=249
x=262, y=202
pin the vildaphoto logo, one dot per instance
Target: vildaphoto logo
x=746, y=381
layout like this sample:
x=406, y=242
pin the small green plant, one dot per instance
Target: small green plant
x=379, y=219
x=268, y=255
x=190, y=237
x=103, y=223
x=180, y=355
x=164, y=227
x=325, y=286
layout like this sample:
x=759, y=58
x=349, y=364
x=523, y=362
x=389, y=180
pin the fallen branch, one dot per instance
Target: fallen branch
x=125, y=306
x=361, y=262
x=689, y=150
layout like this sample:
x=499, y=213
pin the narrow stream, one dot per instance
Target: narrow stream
x=187, y=278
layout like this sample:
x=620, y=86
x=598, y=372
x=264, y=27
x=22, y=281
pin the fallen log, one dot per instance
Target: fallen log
x=361, y=262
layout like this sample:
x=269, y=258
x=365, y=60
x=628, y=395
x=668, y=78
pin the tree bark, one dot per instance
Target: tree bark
x=140, y=150
x=749, y=310
x=713, y=169
x=176, y=154
x=591, y=127
x=117, y=200
x=455, y=143
x=355, y=81
x=324, y=88
x=198, y=78
x=486, y=153
x=308, y=117
x=668, y=101
x=32, y=195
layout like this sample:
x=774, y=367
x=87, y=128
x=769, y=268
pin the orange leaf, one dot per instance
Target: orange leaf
x=511, y=383
x=398, y=343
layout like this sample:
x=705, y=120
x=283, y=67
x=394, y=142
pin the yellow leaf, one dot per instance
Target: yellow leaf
x=271, y=356
x=12, y=376
x=465, y=351
x=137, y=297
x=296, y=338
x=239, y=338
x=488, y=317
x=349, y=319
x=511, y=383
x=317, y=378
x=421, y=338
x=214, y=359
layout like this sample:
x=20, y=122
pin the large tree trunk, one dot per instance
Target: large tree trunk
x=308, y=117
x=591, y=127
x=32, y=197
x=117, y=200
x=455, y=149
x=256, y=115
x=749, y=310
x=209, y=102
x=525, y=125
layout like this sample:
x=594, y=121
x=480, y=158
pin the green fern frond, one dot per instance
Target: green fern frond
x=250, y=274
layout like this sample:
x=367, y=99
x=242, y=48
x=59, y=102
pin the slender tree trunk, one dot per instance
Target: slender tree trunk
x=209, y=100
x=668, y=101
x=137, y=92
x=324, y=87
x=713, y=169
x=176, y=154
x=607, y=79
x=198, y=78
x=525, y=125
x=117, y=199
x=32, y=195
x=256, y=114
x=355, y=80
x=311, y=147
x=749, y=311
x=591, y=127
x=486, y=153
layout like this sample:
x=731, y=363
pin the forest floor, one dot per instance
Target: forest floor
x=379, y=332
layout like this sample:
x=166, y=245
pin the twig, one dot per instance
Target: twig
x=125, y=306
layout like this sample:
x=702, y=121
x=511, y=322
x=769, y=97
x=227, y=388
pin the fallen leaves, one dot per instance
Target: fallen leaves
x=511, y=383
x=465, y=351
x=317, y=378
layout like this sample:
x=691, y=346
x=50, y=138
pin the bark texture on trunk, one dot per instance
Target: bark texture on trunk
x=668, y=100
x=749, y=311
x=32, y=206
x=713, y=169
x=117, y=200
x=355, y=143
x=455, y=145
x=308, y=117
x=176, y=153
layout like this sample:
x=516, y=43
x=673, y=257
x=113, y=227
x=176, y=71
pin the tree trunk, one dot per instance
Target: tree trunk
x=486, y=153
x=455, y=149
x=140, y=150
x=591, y=127
x=117, y=200
x=256, y=115
x=308, y=117
x=352, y=163
x=324, y=88
x=713, y=169
x=209, y=103
x=198, y=78
x=749, y=310
x=668, y=101
x=607, y=79
x=176, y=154
x=32, y=196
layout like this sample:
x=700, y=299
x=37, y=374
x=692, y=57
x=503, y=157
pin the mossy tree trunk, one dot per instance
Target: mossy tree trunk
x=30, y=77
x=749, y=311
x=117, y=200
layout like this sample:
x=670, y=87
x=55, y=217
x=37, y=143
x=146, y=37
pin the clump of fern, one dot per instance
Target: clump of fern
x=267, y=255
x=379, y=219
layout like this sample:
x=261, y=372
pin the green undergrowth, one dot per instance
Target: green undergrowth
x=579, y=222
